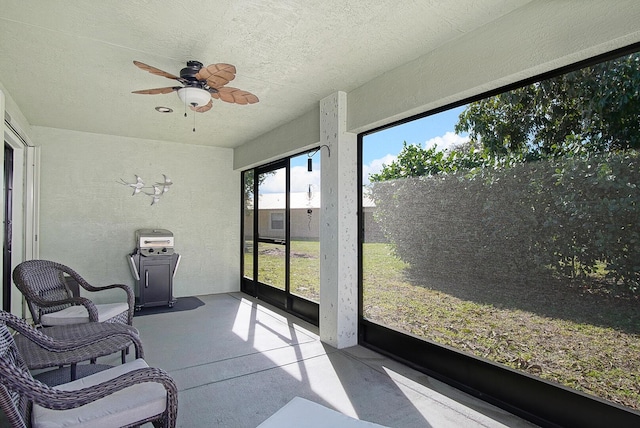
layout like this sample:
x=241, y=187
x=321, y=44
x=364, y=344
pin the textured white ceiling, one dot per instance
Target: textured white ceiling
x=68, y=64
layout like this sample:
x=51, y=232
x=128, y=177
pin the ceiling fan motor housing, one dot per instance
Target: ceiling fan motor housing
x=193, y=92
x=190, y=71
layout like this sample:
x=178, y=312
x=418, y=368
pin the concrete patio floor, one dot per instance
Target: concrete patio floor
x=237, y=360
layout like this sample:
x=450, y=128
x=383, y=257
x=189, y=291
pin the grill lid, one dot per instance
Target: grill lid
x=154, y=241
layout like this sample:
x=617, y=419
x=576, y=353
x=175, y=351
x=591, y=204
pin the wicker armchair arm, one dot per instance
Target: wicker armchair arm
x=84, y=284
x=90, y=287
x=127, y=289
x=131, y=298
x=22, y=382
x=59, y=345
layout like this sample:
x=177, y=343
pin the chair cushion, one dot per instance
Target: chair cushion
x=135, y=403
x=79, y=314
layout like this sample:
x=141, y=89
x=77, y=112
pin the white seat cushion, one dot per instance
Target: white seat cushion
x=79, y=314
x=124, y=407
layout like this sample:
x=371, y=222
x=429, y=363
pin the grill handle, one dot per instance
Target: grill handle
x=175, y=269
x=134, y=269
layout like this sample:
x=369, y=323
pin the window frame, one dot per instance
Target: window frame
x=273, y=221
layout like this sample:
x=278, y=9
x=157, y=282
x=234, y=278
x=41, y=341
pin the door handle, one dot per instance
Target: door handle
x=146, y=279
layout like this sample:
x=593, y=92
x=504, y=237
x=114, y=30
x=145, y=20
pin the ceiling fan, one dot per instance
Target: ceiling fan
x=200, y=84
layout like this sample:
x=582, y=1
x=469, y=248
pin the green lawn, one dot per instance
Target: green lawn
x=305, y=267
x=553, y=342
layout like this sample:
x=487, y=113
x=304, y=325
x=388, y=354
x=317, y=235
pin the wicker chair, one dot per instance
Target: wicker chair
x=49, y=287
x=125, y=396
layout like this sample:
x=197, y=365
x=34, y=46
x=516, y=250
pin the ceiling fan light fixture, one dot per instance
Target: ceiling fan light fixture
x=195, y=97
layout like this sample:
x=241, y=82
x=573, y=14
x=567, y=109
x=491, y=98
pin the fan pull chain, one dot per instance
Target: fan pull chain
x=194, y=114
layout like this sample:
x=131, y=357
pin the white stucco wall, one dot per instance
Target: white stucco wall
x=88, y=219
x=288, y=139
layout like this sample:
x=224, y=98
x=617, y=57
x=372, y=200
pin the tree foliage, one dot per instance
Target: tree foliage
x=414, y=161
x=593, y=109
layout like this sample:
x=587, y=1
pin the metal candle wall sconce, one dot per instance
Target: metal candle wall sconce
x=311, y=154
x=159, y=188
x=310, y=188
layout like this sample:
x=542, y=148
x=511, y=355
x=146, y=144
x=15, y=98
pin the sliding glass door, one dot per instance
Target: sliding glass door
x=280, y=237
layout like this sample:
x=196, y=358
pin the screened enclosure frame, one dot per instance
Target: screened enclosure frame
x=535, y=399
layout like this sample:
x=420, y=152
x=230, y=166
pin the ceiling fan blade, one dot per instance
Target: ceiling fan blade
x=202, y=109
x=157, y=91
x=235, y=95
x=156, y=71
x=217, y=75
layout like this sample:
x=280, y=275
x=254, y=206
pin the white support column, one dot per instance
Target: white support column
x=338, y=226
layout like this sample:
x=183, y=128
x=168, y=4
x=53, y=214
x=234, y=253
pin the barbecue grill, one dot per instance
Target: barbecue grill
x=154, y=264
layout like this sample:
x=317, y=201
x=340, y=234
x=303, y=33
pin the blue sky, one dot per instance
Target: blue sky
x=383, y=146
x=379, y=148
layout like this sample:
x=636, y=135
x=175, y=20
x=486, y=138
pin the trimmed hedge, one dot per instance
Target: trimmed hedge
x=569, y=216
